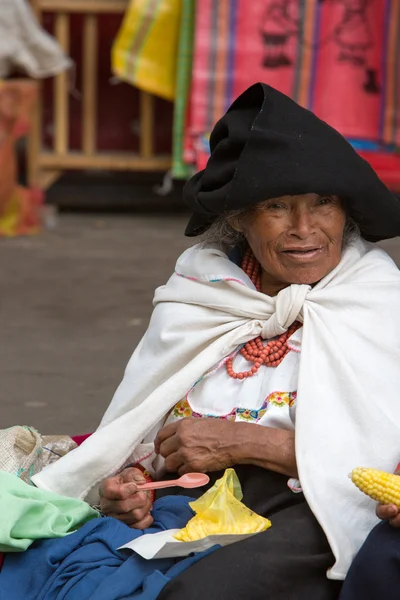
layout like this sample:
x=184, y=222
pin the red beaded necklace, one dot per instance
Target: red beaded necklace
x=254, y=351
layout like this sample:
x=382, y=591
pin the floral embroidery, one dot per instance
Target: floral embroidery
x=282, y=398
x=229, y=417
x=183, y=409
x=247, y=414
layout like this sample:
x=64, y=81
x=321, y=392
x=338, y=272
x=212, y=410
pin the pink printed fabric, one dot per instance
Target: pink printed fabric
x=336, y=58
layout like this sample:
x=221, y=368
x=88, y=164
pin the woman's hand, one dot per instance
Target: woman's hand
x=120, y=498
x=206, y=445
x=389, y=512
x=197, y=445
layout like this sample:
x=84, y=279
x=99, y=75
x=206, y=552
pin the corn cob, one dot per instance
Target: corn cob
x=378, y=485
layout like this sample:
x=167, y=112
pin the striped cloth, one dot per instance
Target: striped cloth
x=341, y=62
x=180, y=168
x=144, y=51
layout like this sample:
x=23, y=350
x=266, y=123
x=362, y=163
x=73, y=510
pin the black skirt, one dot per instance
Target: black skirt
x=375, y=572
x=287, y=562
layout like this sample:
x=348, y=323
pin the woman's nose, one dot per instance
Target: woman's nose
x=302, y=224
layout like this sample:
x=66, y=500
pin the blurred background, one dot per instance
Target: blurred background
x=105, y=110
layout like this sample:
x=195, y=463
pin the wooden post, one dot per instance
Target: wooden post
x=146, y=124
x=89, y=84
x=34, y=141
x=36, y=8
x=61, y=89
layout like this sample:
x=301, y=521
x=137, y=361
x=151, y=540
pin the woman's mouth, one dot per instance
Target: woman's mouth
x=303, y=254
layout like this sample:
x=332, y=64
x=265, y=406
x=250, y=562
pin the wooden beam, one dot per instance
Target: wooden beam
x=61, y=102
x=47, y=178
x=146, y=131
x=107, y=161
x=83, y=6
x=89, y=83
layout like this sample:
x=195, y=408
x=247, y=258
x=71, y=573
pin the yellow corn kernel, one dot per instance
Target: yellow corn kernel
x=378, y=485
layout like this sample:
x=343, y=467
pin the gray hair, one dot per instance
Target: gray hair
x=222, y=234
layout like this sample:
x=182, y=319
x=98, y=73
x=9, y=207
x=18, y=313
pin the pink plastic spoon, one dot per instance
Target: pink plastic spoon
x=190, y=480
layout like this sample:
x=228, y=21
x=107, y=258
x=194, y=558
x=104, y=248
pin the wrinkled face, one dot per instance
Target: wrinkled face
x=296, y=239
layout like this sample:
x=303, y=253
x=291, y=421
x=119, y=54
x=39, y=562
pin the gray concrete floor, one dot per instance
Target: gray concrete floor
x=74, y=303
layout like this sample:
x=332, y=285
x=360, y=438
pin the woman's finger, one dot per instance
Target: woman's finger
x=133, y=518
x=114, y=488
x=139, y=500
x=395, y=522
x=146, y=522
x=169, y=446
x=173, y=462
x=387, y=512
x=132, y=474
x=135, y=515
x=123, y=485
x=165, y=433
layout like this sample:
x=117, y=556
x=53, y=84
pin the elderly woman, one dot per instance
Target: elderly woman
x=273, y=348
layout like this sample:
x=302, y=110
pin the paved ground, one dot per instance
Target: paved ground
x=74, y=302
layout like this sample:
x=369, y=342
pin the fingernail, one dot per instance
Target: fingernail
x=131, y=488
x=392, y=510
x=139, y=478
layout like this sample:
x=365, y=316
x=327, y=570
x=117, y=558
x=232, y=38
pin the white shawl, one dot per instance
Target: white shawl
x=348, y=403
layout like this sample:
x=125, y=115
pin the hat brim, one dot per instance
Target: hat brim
x=198, y=224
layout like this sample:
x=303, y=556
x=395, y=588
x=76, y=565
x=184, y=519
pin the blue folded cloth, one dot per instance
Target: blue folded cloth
x=86, y=565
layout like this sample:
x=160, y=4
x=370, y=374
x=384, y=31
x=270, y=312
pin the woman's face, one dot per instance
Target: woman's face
x=296, y=239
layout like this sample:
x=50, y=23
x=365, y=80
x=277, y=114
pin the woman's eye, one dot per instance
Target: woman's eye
x=274, y=206
x=325, y=200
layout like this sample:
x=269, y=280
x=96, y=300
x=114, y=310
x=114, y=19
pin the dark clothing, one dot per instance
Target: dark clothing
x=287, y=562
x=375, y=572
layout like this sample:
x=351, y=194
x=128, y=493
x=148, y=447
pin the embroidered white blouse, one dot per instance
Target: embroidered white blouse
x=268, y=398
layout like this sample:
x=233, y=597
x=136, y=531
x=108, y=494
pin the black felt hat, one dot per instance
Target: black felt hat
x=268, y=146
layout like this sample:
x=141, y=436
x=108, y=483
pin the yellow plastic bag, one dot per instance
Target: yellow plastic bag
x=220, y=511
x=146, y=47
